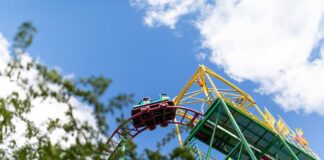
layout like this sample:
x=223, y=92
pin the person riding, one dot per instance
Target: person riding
x=145, y=100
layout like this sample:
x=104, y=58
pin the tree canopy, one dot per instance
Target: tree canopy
x=32, y=84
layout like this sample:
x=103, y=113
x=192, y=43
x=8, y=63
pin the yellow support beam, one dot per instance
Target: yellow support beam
x=200, y=75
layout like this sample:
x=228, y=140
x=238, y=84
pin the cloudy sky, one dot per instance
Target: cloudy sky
x=272, y=49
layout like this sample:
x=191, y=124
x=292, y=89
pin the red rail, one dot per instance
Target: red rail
x=128, y=130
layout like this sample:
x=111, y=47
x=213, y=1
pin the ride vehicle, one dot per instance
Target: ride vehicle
x=149, y=113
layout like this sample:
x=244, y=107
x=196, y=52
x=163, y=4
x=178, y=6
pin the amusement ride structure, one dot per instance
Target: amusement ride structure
x=219, y=115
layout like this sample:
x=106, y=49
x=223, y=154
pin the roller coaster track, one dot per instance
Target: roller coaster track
x=127, y=129
x=225, y=108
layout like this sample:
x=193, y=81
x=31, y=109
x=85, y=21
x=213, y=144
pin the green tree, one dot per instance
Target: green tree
x=89, y=141
x=24, y=37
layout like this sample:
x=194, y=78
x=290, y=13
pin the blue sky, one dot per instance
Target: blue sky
x=110, y=38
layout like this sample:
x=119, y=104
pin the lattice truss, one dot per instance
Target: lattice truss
x=209, y=102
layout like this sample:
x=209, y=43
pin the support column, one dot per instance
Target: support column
x=214, y=132
x=203, y=121
x=237, y=129
x=233, y=150
x=229, y=114
x=289, y=149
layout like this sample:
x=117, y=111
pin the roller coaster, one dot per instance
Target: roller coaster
x=221, y=116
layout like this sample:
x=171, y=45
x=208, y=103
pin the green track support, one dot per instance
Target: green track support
x=240, y=153
x=194, y=149
x=289, y=149
x=237, y=129
x=267, y=148
x=219, y=116
x=201, y=123
x=233, y=150
x=213, y=134
x=119, y=152
x=219, y=104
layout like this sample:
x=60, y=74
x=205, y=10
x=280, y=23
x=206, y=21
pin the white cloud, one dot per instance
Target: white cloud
x=268, y=42
x=166, y=12
x=42, y=109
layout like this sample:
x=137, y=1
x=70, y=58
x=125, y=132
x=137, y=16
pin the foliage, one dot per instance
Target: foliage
x=88, y=141
x=24, y=36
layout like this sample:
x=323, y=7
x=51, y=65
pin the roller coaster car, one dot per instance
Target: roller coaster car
x=153, y=112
